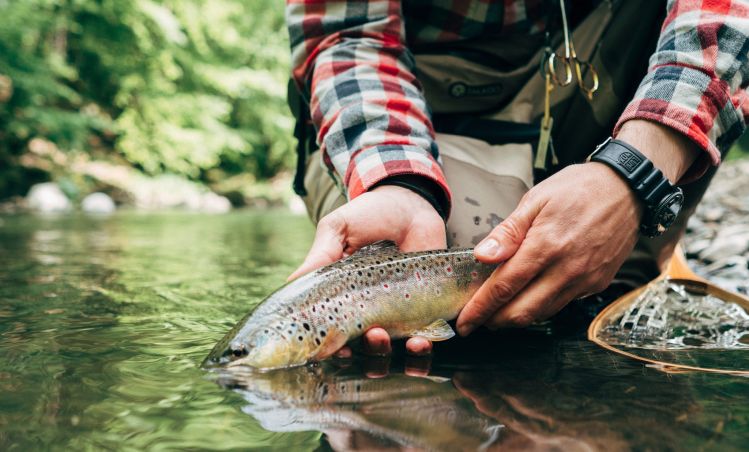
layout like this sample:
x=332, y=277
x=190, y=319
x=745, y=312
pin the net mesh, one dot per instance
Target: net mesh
x=666, y=316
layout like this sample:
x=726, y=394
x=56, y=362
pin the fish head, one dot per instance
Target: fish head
x=262, y=347
x=269, y=337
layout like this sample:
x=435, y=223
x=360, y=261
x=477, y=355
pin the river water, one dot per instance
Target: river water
x=104, y=322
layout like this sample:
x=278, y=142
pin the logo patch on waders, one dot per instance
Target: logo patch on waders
x=460, y=89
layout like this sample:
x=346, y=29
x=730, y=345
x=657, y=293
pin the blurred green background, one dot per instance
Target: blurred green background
x=190, y=88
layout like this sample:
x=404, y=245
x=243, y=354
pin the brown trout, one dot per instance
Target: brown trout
x=310, y=318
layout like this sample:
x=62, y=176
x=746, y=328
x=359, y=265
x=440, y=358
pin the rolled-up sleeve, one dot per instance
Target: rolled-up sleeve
x=372, y=121
x=697, y=78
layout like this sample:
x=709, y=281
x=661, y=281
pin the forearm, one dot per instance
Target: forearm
x=695, y=86
x=670, y=151
x=371, y=117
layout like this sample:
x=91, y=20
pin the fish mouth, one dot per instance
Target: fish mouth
x=213, y=362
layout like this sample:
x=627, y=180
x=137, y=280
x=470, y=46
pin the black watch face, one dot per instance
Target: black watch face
x=668, y=209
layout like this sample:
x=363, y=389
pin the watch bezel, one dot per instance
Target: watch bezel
x=663, y=214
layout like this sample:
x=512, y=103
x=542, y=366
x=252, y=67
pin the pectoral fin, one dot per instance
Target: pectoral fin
x=438, y=330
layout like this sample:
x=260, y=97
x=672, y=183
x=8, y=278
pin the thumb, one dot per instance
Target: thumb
x=505, y=239
x=327, y=247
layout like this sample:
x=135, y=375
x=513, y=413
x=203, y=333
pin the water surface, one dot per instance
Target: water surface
x=104, y=322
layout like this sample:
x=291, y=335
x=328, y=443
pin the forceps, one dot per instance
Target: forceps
x=560, y=67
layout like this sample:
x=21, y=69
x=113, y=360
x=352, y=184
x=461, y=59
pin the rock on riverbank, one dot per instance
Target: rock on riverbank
x=717, y=239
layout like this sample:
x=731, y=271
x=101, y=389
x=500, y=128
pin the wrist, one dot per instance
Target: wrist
x=424, y=187
x=669, y=151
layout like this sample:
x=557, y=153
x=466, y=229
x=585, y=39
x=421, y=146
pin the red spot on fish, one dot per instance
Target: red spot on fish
x=408, y=295
x=474, y=275
x=385, y=286
x=449, y=269
x=418, y=276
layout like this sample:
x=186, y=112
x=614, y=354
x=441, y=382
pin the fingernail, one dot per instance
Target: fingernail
x=488, y=247
x=466, y=329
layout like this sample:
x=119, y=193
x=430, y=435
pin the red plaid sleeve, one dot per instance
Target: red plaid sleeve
x=698, y=75
x=371, y=117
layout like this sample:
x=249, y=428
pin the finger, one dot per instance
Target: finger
x=541, y=299
x=504, y=240
x=418, y=346
x=501, y=287
x=328, y=246
x=376, y=366
x=417, y=366
x=377, y=342
x=344, y=352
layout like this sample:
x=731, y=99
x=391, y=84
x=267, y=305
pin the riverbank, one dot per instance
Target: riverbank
x=717, y=239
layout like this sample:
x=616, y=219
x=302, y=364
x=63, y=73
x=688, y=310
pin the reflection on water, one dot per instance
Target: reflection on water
x=397, y=408
x=104, y=323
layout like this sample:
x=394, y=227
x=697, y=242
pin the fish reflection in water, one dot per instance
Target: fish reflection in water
x=531, y=393
x=423, y=412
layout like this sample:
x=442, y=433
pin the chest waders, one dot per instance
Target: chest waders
x=487, y=100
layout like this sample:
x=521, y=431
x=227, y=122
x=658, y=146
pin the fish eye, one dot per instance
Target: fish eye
x=238, y=350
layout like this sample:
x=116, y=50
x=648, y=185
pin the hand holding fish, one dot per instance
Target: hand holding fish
x=565, y=239
x=386, y=213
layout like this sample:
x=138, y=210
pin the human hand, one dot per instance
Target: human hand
x=388, y=212
x=567, y=238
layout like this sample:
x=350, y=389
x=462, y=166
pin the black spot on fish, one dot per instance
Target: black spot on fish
x=306, y=326
x=290, y=310
x=353, y=287
x=330, y=317
x=358, y=325
x=359, y=272
x=317, y=340
x=336, y=310
x=323, y=333
x=300, y=338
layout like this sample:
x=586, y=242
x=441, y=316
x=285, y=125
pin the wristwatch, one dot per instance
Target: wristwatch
x=662, y=200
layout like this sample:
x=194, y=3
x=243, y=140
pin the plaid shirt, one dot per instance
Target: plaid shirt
x=373, y=121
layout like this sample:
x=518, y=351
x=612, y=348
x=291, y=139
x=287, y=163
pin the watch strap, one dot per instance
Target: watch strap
x=647, y=181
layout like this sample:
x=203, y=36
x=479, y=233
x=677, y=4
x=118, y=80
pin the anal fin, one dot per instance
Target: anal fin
x=438, y=330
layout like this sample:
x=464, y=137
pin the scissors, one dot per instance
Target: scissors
x=561, y=67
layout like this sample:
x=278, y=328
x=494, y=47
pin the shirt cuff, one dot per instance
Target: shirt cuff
x=692, y=103
x=372, y=165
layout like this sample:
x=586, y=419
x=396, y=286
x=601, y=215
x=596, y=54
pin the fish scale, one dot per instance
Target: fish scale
x=308, y=319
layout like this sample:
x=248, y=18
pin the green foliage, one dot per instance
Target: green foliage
x=171, y=86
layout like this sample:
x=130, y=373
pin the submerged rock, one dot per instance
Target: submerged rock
x=98, y=203
x=47, y=198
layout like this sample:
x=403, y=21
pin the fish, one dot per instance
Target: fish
x=421, y=412
x=311, y=317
